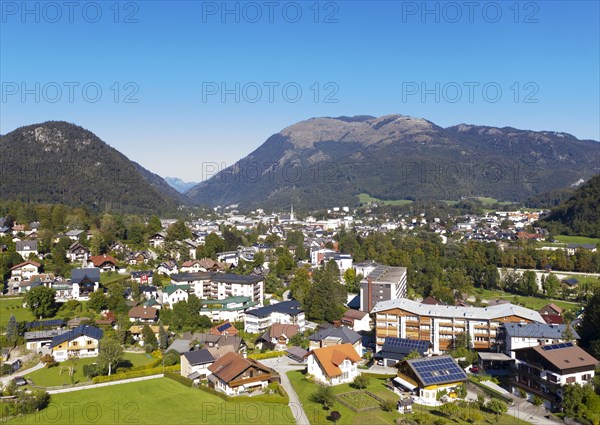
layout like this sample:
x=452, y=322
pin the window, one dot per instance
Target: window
x=571, y=380
x=586, y=377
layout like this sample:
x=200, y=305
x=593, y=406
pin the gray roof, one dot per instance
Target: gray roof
x=387, y=274
x=346, y=334
x=30, y=336
x=179, y=345
x=537, y=330
x=31, y=245
x=483, y=313
x=292, y=308
x=92, y=273
x=202, y=356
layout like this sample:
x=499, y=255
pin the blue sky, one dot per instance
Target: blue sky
x=162, y=67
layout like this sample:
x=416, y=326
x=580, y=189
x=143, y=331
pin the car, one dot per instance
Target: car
x=475, y=369
x=19, y=381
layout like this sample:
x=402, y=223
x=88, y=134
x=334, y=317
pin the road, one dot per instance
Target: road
x=105, y=384
x=282, y=365
x=5, y=379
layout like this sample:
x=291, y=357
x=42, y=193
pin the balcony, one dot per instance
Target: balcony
x=72, y=347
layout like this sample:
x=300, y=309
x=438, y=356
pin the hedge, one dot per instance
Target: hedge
x=181, y=379
x=134, y=374
x=269, y=355
x=265, y=398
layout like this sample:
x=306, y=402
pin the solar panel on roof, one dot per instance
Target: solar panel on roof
x=557, y=346
x=224, y=326
x=435, y=371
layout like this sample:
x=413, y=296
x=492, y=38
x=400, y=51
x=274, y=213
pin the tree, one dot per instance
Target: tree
x=300, y=285
x=388, y=405
x=163, y=337
x=110, y=354
x=40, y=301
x=414, y=354
x=327, y=296
x=551, y=285
x=361, y=381
x=178, y=231
x=497, y=407
x=537, y=400
x=589, y=331
x=352, y=281
x=529, y=284
x=213, y=244
x=12, y=329
x=150, y=341
x=154, y=225
x=272, y=283
x=335, y=416
x=171, y=358
x=97, y=301
x=324, y=395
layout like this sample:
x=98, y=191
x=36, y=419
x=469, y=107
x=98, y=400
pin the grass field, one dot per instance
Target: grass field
x=159, y=401
x=491, y=201
x=14, y=307
x=365, y=198
x=51, y=377
x=111, y=277
x=577, y=239
x=533, y=303
x=317, y=416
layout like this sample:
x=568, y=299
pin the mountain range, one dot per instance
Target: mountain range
x=317, y=163
x=179, y=185
x=322, y=162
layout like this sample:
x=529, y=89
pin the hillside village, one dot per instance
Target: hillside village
x=232, y=303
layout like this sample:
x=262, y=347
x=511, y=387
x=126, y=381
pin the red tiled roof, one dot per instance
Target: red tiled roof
x=33, y=263
x=98, y=260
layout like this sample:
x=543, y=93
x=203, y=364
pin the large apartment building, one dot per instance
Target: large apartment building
x=383, y=283
x=439, y=324
x=220, y=286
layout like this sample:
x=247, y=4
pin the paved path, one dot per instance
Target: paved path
x=105, y=384
x=6, y=379
x=283, y=366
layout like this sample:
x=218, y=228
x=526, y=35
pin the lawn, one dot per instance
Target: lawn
x=14, y=307
x=577, y=239
x=316, y=414
x=111, y=277
x=534, y=303
x=51, y=377
x=359, y=399
x=159, y=401
x=365, y=198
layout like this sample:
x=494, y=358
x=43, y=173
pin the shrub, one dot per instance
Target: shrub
x=388, y=405
x=181, y=379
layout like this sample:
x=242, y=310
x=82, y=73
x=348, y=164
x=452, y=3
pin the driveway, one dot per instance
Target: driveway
x=282, y=365
x=23, y=372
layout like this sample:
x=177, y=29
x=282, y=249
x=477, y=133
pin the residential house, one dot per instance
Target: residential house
x=514, y=336
x=173, y=294
x=440, y=324
x=222, y=285
x=106, y=263
x=195, y=364
x=78, y=253
x=278, y=336
x=225, y=328
x=149, y=292
x=84, y=282
x=24, y=271
x=167, y=268
x=236, y=375
x=396, y=349
x=81, y=341
x=430, y=375
x=26, y=248
x=143, y=314
x=142, y=277
x=336, y=335
x=357, y=320
x=136, y=332
x=543, y=371
x=384, y=283
x=157, y=240
x=287, y=312
x=231, y=308
x=36, y=340
x=333, y=365
x=138, y=258
x=75, y=234
x=218, y=345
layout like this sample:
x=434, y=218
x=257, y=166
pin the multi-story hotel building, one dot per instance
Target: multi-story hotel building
x=381, y=284
x=439, y=324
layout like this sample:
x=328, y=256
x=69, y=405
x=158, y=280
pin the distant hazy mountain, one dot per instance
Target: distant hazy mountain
x=179, y=185
x=58, y=162
x=323, y=162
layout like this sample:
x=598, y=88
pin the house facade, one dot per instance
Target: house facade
x=287, y=312
x=382, y=284
x=236, y=375
x=333, y=365
x=195, y=364
x=82, y=341
x=440, y=324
